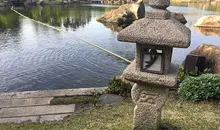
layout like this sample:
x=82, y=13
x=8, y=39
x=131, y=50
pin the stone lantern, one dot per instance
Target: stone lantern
x=152, y=71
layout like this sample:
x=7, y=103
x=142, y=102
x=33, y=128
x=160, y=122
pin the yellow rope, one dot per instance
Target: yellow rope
x=72, y=36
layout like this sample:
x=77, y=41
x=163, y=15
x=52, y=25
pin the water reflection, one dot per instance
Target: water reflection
x=113, y=26
x=60, y=15
x=208, y=31
x=8, y=19
x=69, y=17
x=202, y=6
x=202, y=9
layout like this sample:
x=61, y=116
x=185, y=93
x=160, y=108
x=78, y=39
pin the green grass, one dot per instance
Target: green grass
x=192, y=115
x=176, y=115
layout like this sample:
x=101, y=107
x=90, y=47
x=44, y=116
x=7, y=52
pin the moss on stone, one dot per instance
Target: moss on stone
x=73, y=100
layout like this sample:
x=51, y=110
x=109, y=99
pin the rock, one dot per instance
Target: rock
x=179, y=17
x=129, y=12
x=208, y=21
x=110, y=99
x=212, y=54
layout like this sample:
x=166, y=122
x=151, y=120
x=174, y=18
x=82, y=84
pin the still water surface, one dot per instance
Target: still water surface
x=34, y=57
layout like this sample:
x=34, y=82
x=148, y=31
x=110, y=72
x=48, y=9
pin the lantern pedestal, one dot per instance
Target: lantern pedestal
x=149, y=100
x=149, y=95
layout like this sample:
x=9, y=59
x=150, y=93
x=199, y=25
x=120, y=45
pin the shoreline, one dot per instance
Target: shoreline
x=3, y=4
x=50, y=93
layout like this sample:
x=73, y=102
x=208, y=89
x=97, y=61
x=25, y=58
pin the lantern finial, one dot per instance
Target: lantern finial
x=158, y=9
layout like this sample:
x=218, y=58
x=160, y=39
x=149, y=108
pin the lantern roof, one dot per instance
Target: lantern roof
x=158, y=32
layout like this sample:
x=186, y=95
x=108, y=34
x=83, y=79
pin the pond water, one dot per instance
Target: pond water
x=35, y=57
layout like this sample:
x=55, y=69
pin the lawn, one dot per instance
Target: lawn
x=176, y=115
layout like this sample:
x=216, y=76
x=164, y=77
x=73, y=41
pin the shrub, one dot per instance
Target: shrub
x=182, y=75
x=117, y=86
x=203, y=87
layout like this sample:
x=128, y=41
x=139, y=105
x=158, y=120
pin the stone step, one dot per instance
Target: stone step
x=36, y=110
x=41, y=119
x=51, y=93
x=24, y=102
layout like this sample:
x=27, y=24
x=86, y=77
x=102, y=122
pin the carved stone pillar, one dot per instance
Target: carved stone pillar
x=149, y=100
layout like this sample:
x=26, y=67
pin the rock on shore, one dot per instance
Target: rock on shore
x=212, y=54
x=208, y=21
x=128, y=13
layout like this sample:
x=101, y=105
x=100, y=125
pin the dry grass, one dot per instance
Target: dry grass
x=176, y=115
x=192, y=115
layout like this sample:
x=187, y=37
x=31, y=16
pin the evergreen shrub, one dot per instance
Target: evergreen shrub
x=203, y=87
x=119, y=87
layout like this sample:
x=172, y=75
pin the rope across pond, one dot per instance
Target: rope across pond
x=60, y=30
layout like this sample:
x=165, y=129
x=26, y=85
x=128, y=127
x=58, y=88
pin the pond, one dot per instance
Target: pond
x=35, y=57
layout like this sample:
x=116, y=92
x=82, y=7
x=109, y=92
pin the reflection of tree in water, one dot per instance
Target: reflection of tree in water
x=50, y=15
x=202, y=6
x=8, y=19
x=73, y=17
x=206, y=6
x=78, y=16
x=82, y=15
x=214, y=7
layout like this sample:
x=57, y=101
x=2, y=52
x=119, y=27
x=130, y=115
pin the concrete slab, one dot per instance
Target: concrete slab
x=40, y=119
x=19, y=119
x=36, y=110
x=33, y=106
x=24, y=102
x=51, y=93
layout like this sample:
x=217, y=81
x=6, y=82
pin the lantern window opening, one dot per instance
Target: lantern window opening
x=152, y=59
